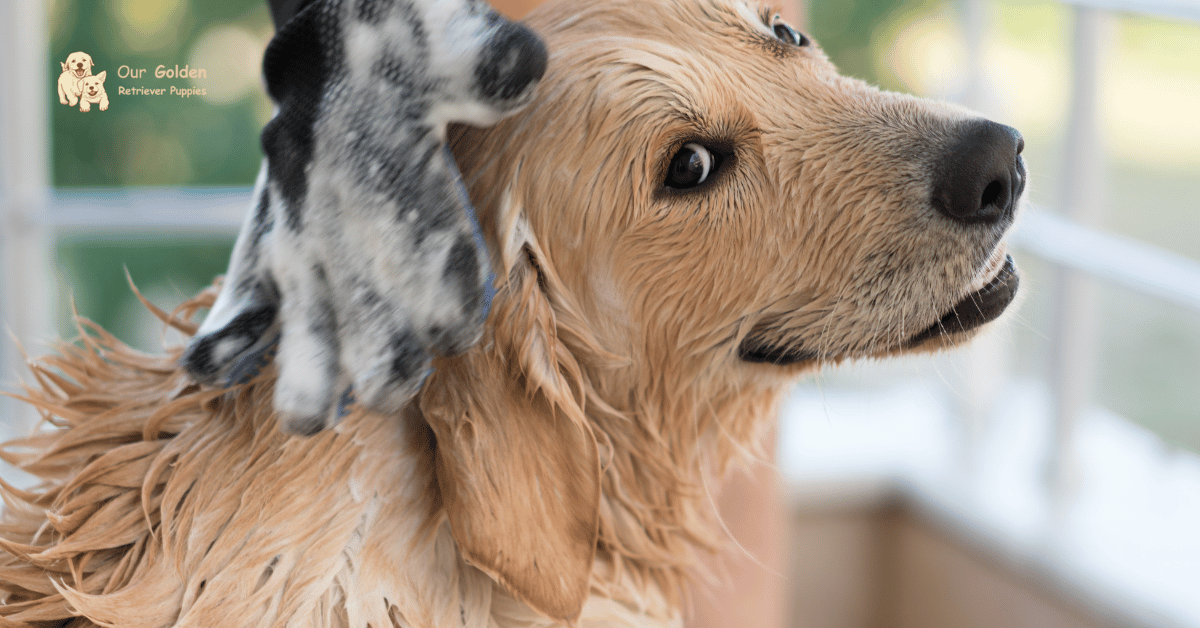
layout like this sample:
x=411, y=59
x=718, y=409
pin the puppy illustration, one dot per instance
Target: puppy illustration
x=91, y=90
x=77, y=66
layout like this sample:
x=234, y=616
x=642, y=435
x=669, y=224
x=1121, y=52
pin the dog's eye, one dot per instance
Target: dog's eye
x=689, y=167
x=787, y=34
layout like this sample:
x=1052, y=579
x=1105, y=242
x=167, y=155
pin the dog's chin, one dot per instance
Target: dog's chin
x=957, y=325
x=974, y=310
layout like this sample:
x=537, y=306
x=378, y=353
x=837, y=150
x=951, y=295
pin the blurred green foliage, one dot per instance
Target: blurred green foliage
x=154, y=140
x=848, y=31
x=165, y=268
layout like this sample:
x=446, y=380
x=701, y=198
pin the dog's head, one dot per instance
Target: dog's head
x=92, y=86
x=696, y=206
x=728, y=191
x=78, y=64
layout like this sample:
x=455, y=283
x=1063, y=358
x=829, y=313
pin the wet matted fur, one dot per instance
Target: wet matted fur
x=639, y=342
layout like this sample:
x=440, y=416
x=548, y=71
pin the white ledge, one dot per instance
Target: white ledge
x=1124, y=541
x=219, y=209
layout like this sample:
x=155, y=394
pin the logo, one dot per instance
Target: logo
x=77, y=84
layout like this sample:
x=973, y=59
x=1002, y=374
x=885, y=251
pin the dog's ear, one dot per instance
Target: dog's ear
x=517, y=463
x=101, y=76
x=64, y=65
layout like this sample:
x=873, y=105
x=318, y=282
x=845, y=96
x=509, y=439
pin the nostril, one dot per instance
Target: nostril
x=991, y=194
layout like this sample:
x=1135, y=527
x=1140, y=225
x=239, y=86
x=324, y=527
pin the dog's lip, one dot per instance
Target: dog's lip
x=778, y=355
x=997, y=287
x=80, y=72
x=981, y=306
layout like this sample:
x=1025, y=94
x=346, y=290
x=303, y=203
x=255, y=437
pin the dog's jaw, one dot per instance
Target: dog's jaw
x=978, y=308
x=986, y=299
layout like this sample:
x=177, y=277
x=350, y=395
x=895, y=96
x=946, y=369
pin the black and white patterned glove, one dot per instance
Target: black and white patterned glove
x=361, y=258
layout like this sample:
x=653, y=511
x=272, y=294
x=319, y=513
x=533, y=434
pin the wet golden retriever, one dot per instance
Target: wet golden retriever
x=696, y=210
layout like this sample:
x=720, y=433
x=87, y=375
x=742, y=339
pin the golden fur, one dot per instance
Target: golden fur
x=560, y=471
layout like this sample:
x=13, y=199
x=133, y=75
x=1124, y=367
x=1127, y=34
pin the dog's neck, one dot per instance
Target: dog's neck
x=661, y=479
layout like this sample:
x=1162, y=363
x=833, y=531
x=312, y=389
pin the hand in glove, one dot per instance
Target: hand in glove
x=360, y=258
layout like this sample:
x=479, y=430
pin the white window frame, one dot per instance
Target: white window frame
x=26, y=283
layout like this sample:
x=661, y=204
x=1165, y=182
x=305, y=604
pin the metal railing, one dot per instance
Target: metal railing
x=1174, y=9
x=1071, y=241
x=1122, y=261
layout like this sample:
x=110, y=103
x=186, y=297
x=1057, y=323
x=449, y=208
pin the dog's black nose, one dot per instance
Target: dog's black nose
x=515, y=58
x=980, y=178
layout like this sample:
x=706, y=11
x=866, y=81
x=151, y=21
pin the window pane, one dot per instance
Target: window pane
x=166, y=269
x=185, y=105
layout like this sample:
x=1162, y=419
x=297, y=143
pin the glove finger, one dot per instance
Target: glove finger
x=239, y=329
x=234, y=352
x=307, y=357
x=252, y=362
